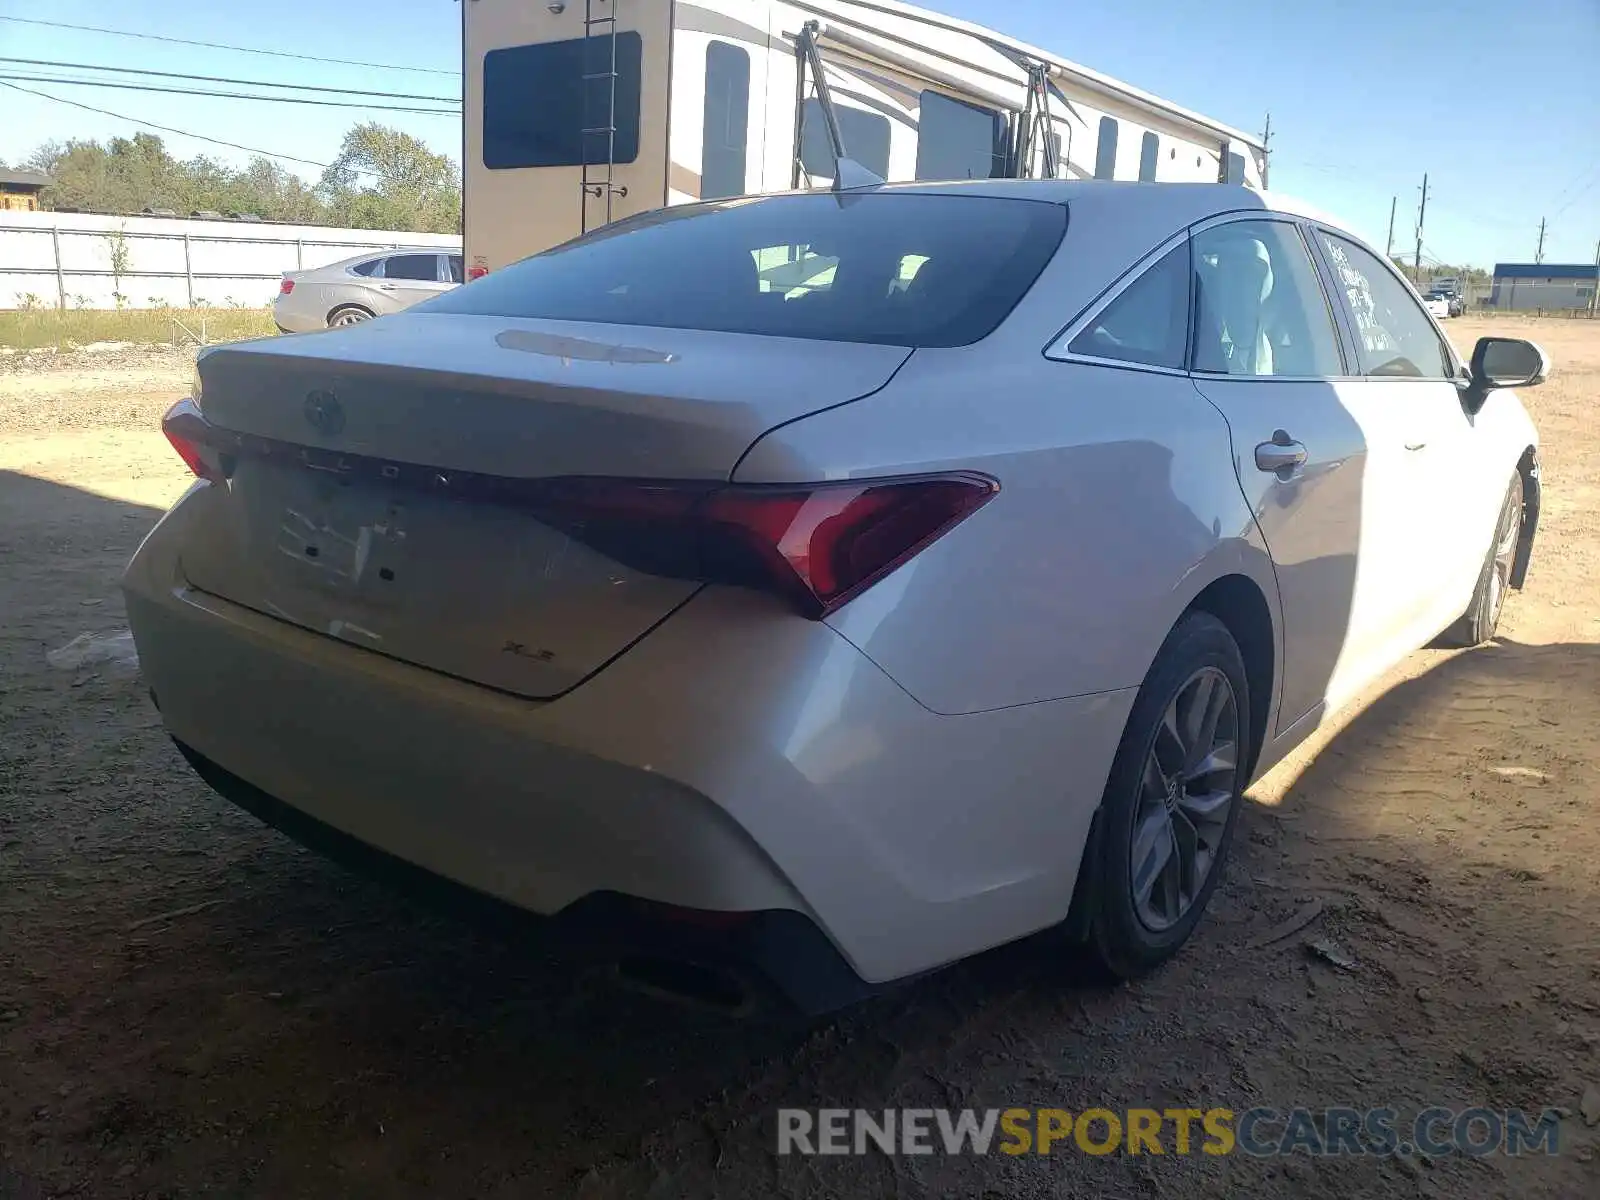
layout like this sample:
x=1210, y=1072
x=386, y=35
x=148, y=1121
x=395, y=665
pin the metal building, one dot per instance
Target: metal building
x=1528, y=287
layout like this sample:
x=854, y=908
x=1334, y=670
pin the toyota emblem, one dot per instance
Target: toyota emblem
x=324, y=412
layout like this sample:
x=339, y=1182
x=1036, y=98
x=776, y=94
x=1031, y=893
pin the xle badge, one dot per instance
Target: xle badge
x=522, y=651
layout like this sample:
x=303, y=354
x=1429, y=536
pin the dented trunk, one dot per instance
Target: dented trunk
x=366, y=497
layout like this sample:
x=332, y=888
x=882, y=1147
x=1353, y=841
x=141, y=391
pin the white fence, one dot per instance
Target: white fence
x=86, y=260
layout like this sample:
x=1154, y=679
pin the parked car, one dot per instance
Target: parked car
x=1438, y=305
x=360, y=288
x=848, y=583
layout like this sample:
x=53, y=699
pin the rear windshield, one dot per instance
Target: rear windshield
x=896, y=268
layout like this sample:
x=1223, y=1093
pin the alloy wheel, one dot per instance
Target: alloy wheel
x=1186, y=793
x=1505, y=552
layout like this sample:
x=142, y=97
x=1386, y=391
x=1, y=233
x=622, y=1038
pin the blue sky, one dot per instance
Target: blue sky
x=1498, y=102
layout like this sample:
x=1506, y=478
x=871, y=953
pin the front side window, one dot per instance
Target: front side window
x=1149, y=322
x=455, y=268
x=727, y=122
x=539, y=100
x=865, y=134
x=412, y=266
x=1105, y=152
x=892, y=268
x=1394, y=337
x=1259, y=306
x=957, y=140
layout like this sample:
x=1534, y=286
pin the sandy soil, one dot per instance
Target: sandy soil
x=308, y=1034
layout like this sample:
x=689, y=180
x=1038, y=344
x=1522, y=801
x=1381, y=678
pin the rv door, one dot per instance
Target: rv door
x=565, y=124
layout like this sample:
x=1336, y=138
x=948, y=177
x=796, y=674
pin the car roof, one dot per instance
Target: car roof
x=1174, y=204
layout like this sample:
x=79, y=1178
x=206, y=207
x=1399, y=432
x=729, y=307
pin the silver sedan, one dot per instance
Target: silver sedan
x=358, y=289
x=859, y=581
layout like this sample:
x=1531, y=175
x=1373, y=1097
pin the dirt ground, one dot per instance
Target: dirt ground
x=281, y=1029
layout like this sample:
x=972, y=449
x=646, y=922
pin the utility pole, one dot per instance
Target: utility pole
x=1266, y=150
x=1422, y=213
x=1538, y=255
x=1388, y=247
x=1594, y=296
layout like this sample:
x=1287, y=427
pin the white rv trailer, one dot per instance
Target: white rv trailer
x=578, y=112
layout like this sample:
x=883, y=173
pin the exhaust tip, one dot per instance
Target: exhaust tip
x=687, y=982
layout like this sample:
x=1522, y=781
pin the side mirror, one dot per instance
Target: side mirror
x=1499, y=362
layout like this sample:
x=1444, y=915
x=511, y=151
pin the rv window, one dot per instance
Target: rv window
x=1105, y=153
x=537, y=103
x=894, y=268
x=1235, y=168
x=866, y=139
x=727, y=118
x=1149, y=152
x=956, y=140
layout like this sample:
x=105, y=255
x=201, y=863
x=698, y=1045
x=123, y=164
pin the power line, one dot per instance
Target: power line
x=302, y=87
x=199, y=137
x=156, y=37
x=151, y=87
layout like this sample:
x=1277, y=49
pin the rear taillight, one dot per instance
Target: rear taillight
x=817, y=545
x=185, y=428
x=477, y=272
x=285, y=287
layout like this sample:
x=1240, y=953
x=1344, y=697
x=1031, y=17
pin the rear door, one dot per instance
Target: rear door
x=408, y=279
x=1319, y=462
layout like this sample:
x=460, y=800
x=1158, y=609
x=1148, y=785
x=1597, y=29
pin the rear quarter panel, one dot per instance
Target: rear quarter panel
x=1118, y=505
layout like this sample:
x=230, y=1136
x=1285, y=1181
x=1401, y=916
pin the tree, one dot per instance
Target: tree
x=382, y=179
x=386, y=179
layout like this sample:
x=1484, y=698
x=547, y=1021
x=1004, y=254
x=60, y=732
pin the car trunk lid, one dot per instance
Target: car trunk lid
x=371, y=499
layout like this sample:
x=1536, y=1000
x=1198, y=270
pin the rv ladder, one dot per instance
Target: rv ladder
x=598, y=179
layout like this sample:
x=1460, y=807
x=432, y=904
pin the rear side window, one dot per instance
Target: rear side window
x=370, y=267
x=899, y=269
x=537, y=103
x=412, y=266
x=956, y=140
x=1260, y=308
x=865, y=134
x=1148, y=323
x=455, y=268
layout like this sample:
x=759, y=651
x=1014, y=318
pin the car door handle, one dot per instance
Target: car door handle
x=1416, y=445
x=1281, y=454
x=386, y=287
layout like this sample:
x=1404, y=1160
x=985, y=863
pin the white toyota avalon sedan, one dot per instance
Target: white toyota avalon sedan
x=846, y=582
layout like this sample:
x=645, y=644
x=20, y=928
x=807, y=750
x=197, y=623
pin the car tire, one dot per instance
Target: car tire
x=1478, y=624
x=349, y=314
x=1162, y=774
